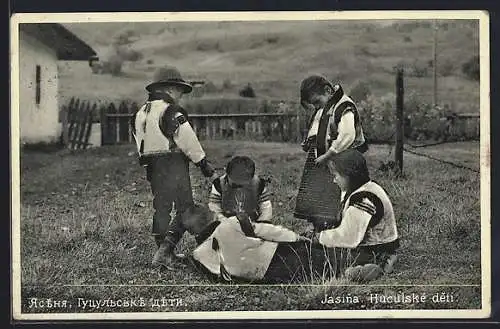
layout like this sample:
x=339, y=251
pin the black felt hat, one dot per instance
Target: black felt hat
x=169, y=76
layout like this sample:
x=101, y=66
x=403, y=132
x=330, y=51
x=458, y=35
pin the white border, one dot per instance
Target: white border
x=483, y=18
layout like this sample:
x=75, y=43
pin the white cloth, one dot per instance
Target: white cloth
x=242, y=256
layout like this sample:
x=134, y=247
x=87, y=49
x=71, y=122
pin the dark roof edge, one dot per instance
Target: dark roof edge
x=68, y=46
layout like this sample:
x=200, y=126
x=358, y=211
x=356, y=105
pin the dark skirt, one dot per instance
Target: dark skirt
x=318, y=198
x=302, y=262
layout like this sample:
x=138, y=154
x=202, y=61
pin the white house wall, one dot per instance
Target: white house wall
x=38, y=123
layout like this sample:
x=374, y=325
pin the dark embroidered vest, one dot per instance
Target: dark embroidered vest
x=240, y=198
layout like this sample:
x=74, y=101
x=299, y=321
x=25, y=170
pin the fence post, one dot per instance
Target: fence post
x=399, y=121
x=64, y=119
x=104, y=126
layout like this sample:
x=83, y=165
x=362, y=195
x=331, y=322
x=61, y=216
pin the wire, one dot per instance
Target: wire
x=441, y=160
x=431, y=144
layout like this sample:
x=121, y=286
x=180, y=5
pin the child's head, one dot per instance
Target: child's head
x=316, y=90
x=169, y=80
x=176, y=92
x=240, y=170
x=349, y=169
x=196, y=218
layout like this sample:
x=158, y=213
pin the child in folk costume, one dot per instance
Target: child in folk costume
x=368, y=224
x=240, y=242
x=334, y=127
x=241, y=190
x=236, y=249
x=166, y=143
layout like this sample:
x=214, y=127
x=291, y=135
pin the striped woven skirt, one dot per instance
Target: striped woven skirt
x=318, y=198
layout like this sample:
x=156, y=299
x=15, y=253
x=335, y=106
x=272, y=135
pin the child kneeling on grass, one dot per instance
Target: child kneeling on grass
x=236, y=249
x=240, y=189
x=368, y=225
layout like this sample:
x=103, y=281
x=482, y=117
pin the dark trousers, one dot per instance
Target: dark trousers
x=171, y=185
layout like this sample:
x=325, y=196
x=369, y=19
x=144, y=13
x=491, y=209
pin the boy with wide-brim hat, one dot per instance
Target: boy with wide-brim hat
x=166, y=144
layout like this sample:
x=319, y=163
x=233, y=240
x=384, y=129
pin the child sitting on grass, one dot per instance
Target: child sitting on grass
x=367, y=229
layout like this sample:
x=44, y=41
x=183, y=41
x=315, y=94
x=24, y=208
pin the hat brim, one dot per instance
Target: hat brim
x=187, y=88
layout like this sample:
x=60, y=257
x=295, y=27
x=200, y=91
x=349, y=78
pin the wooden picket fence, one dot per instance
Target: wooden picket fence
x=77, y=118
x=279, y=127
x=115, y=126
x=115, y=123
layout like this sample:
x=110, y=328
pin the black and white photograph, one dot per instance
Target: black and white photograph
x=250, y=165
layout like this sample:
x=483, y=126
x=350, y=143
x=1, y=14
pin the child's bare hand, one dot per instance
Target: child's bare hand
x=304, y=238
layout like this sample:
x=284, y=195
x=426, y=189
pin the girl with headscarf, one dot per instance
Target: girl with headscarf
x=367, y=228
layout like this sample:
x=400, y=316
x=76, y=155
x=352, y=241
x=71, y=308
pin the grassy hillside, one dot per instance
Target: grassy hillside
x=275, y=56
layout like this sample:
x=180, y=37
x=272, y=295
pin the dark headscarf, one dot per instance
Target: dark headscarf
x=352, y=164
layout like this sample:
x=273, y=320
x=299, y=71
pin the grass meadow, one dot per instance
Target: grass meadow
x=86, y=218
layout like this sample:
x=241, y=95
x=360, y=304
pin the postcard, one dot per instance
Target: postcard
x=250, y=165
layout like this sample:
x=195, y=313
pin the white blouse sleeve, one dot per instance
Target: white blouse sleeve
x=351, y=230
x=346, y=133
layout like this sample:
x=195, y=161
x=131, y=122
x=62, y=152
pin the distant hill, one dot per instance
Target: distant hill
x=275, y=56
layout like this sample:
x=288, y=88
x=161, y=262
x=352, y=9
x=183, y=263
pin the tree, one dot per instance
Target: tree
x=247, y=91
x=471, y=68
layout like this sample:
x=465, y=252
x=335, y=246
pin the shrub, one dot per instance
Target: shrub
x=471, y=68
x=363, y=51
x=221, y=105
x=207, y=45
x=423, y=121
x=377, y=115
x=113, y=65
x=247, y=92
x=446, y=69
x=272, y=39
x=227, y=84
x=360, y=91
x=123, y=38
x=210, y=87
x=132, y=55
x=419, y=70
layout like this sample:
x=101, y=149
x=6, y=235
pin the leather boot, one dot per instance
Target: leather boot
x=164, y=256
x=389, y=265
x=363, y=273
